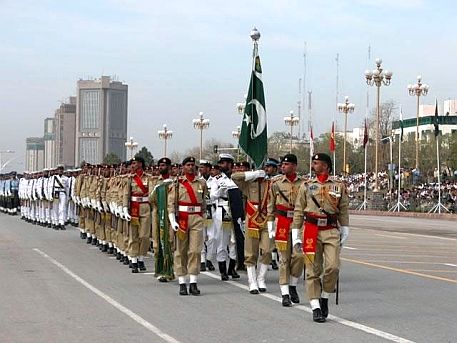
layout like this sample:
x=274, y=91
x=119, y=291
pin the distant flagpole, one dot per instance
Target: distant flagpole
x=337, y=59
x=311, y=148
x=398, y=206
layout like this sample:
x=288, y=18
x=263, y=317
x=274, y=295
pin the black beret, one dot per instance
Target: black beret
x=323, y=157
x=188, y=159
x=245, y=164
x=139, y=159
x=165, y=160
x=290, y=158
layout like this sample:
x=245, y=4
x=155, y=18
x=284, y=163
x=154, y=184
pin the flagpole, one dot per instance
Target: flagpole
x=337, y=59
x=399, y=205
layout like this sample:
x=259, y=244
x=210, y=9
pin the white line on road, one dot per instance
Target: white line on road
x=408, y=234
x=450, y=264
x=390, y=236
x=339, y=320
x=111, y=301
x=349, y=248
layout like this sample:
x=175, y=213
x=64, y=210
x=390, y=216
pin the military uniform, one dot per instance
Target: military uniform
x=186, y=199
x=322, y=203
x=257, y=245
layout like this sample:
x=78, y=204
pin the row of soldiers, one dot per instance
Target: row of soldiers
x=224, y=213
x=45, y=195
x=9, y=187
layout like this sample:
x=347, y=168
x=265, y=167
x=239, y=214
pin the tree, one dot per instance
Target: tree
x=111, y=158
x=146, y=155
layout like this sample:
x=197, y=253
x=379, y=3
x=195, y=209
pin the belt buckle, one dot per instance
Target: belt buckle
x=190, y=208
x=321, y=221
x=290, y=214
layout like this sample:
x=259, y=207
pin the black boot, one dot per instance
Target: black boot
x=231, y=271
x=62, y=227
x=94, y=241
x=317, y=316
x=223, y=271
x=118, y=256
x=324, y=306
x=209, y=265
x=105, y=248
x=110, y=250
x=89, y=240
x=141, y=266
x=81, y=235
x=286, y=301
x=274, y=265
x=193, y=289
x=294, y=295
x=183, y=289
x=134, y=267
x=126, y=261
x=203, y=267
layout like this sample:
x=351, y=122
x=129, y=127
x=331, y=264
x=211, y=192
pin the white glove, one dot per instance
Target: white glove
x=241, y=224
x=271, y=229
x=295, y=239
x=173, y=223
x=252, y=175
x=344, y=234
x=117, y=211
x=126, y=214
x=93, y=204
x=221, y=192
x=105, y=206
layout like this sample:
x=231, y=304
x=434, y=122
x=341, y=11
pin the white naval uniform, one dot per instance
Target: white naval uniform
x=225, y=235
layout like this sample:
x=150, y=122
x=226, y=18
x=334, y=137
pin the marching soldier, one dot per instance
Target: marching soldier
x=257, y=245
x=271, y=169
x=186, y=199
x=281, y=203
x=138, y=212
x=322, y=203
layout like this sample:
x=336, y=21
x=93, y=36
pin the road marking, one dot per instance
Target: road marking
x=392, y=236
x=111, y=301
x=407, y=234
x=307, y=309
x=450, y=264
x=398, y=270
x=406, y=262
x=349, y=248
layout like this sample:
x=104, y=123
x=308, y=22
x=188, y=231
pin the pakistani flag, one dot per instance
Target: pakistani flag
x=253, y=136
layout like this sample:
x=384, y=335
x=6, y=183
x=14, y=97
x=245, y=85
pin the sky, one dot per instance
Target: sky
x=180, y=58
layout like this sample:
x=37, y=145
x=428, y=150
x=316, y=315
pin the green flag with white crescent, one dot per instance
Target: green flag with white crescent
x=253, y=136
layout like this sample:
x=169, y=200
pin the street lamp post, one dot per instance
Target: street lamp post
x=236, y=134
x=131, y=145
x=165, y=134
x=419, y=89
x=291, y=121
x=377, y=77
x=3, y=165
x=201, y=124
x=345, y=107
x=241, y=105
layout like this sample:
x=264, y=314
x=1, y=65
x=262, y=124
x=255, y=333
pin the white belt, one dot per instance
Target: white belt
x=139, y=199
x=190, y=209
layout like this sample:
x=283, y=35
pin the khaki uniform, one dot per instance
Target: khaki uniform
x=189, y=239
x=99, y=217
x=91, y=194
x=78, y=188
x=283, y=194
x=139, y=230
x=110, y=230
x=332, y=198
x=257, y=244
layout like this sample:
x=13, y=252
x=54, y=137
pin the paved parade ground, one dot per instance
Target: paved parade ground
x=398, y=283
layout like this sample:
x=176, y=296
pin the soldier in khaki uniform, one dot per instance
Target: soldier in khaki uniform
x=257, y=245
x=79, y=183
x=322, y=203
x=137, y=210
x=186, y=199
x=281, y=204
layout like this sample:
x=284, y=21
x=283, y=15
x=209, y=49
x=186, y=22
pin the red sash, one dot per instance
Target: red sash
x=134, y=205
x=183, y=217
x=282, y=227
x=253, y=226
x=310, y=232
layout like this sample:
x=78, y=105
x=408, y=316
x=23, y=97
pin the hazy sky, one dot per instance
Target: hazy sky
x=182, y=57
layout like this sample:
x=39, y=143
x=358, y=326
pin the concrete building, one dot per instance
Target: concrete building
x=65, y=133
x=49, y=143
x=101, y=119
x=34, y=154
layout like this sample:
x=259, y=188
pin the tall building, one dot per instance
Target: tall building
x=49, y=143
x=34, y=153
x=101, y=119
x=65, y=133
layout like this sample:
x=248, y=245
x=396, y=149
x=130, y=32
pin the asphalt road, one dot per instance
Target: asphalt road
x=398, y=284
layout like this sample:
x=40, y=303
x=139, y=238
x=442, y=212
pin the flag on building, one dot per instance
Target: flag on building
x=365, y=134
x=436, y=119
x=253, y=136
x=332, y=138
